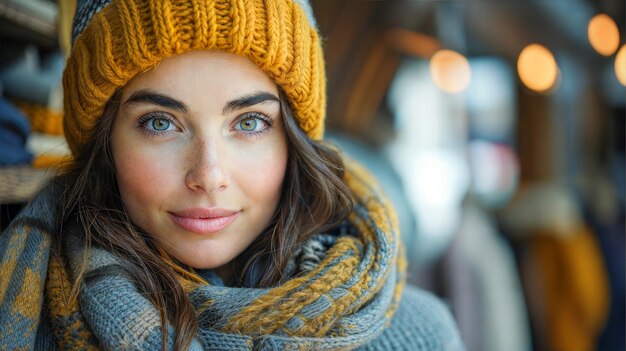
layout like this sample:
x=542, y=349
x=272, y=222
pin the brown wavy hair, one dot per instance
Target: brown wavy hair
x=314, y=198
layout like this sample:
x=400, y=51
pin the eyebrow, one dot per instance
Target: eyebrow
x=152, y=97
x=249, y=100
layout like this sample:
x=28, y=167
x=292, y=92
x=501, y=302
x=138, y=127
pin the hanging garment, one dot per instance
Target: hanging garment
x=573, y=283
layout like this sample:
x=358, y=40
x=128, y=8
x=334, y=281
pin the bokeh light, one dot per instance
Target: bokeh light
x=450, y=71
x=603, y=34
x=537, y=68
x=620, y=65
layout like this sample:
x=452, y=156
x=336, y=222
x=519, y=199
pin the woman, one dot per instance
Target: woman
x=201, y=209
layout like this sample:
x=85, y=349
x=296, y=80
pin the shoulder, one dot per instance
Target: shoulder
x=421, y=322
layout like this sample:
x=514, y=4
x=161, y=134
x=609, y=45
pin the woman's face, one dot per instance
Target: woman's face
x=200, y=152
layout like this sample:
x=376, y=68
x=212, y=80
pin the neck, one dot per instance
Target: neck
x=225, y=272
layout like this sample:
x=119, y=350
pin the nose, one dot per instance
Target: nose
x=207, y=172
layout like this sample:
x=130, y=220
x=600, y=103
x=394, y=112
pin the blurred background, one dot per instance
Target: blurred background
x=495, y=127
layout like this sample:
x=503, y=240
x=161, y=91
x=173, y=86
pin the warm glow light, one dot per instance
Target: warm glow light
x=450, y=71
x=537, y=68
x=620, y=65
x=603, y=34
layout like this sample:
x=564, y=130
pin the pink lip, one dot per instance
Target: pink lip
x=204, y=220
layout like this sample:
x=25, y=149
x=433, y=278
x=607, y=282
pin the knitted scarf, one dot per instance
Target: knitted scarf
x=344, y=301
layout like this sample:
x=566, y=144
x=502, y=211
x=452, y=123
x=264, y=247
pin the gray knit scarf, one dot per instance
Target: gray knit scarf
x=342, y=299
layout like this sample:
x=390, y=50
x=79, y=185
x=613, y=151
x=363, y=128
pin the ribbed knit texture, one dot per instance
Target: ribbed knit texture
x=115, y=41
x=421, y=323
x=24, y=252
x=346, y=301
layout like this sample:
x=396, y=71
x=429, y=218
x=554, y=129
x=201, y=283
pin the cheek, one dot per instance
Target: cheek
x=261, y=175
x=142, y=177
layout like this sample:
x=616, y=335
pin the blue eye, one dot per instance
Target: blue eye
x=248, y=124
x=160, y=124
x=254, y=123
x=156, y=124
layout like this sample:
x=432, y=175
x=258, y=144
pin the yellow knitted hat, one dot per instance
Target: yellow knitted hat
x=115, y=40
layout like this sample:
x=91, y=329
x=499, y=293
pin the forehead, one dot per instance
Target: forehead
x=198, y=74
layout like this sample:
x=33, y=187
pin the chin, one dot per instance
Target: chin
x=200, y=263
